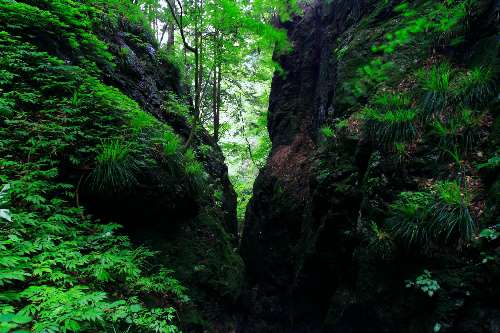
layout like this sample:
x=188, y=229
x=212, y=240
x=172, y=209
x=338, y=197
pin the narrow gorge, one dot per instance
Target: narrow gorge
x=376, y=203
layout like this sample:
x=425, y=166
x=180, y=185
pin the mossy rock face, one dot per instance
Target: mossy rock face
x=345, y=268
x=203, y=255
x=492, y=213
x=219, y=267
x=353, y=50
x=173, y=213
x=110, y=90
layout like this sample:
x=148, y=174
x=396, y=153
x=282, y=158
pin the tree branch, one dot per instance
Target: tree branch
x=180, y=25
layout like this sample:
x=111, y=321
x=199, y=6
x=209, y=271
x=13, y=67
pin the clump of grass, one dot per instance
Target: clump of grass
x=410, y=219
x=390, y=101
x=436, y=84
x=458, y=131
x=389, y=127
x=115, y=169
x=476, y=87
x=451, y=213
x=444, y=87
x=390, y=119
x=421, y=218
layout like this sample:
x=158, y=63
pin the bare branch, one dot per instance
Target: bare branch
x=180, y=25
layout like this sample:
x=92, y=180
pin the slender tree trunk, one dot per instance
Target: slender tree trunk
x=197, y=91
x=218, y=103
x=215, y=86
x=197, y=50
x=198, y=74
x=214, y=104
x=171, y=37
x=163, y=31
x=170, y=26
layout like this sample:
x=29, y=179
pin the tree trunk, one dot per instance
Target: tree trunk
x=218, y=102
x=198, y=76
x=215, y=107
x=171, y=37
x=170, y=26
x=197, y=91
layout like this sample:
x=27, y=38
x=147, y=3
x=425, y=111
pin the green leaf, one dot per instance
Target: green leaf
x=134, y=308
x=72, y=325
x=21, y=319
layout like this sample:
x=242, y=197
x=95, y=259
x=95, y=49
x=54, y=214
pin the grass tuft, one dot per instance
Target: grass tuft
x=419, y=219
x=459, y=131
x=436, y=84
x=410, y=218
x=476, y=87
x=389, y=127
x=451, y=213
x=116, y=168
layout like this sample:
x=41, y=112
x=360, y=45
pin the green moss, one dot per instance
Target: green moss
x=67, y=123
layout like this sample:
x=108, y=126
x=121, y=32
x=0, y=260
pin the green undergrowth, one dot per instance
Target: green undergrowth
x=61, y=127
x=72, y=25
x=413, y=99
x=417, y=88
x=442, y=214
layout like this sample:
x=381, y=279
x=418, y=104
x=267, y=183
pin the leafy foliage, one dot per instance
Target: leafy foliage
x=383, y=242
x=60, y=269
x=72, y=22
x=425, y=283
x=57, y=266
x=327, y=132
x=490, y=233
x=193, y=166
x=493, y=162
x=422, y=22
x=171, y=143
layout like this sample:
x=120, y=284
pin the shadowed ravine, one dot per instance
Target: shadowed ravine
x=123, y=189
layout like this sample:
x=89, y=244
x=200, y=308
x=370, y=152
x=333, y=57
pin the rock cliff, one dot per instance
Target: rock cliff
x=319, y=247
